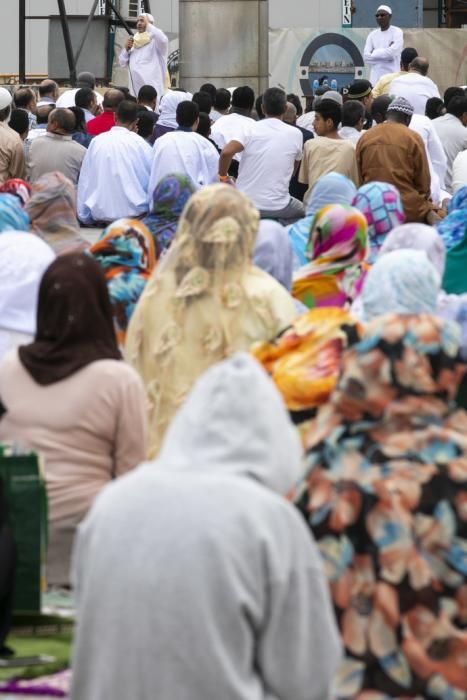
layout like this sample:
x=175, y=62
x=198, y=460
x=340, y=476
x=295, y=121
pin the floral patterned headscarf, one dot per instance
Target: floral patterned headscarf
x=453, y=228
x=385, y=497
x=337, y=247
x=127, y=255
x=169, y=199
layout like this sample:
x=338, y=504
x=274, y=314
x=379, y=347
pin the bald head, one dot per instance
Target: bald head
x=48, y=88
x=61, y=121
x=112, y=99
x=419, y=65
x=290, y=114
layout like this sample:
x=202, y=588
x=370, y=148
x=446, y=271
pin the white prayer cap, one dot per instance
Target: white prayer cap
x=384, y=8
x=149, y=17
x=5, y=98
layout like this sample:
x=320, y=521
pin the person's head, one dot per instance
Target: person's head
x=12, y=215
x=274, y=102
x=451, y=92
x=19, y=122
x=17, y=187
x=295, y=100
x=407, y=56
x=400, y=111
x=273, y=252
x=52, y=205
x=259, y=107
x=328, y=116
x=80, y=119
x=222, y=101
x=143, y=20
x=112, y=99
x=127, y=115
x=381, y=205
x=147, y=96
x=419, y=65
x=243, y=98
x=458, y=108
x=204, y=125
x=127, y=254
x=123, y=89
x=203, y=100
x=145, y=124
x=48, y=88
x=402, y=282
x=43, y=112
x=353, y=114
x=74, y=320
x=383, y=17
x=61, y=122
x=332, y=188
x=25, y=258
x=379, y=108
x=417, y=237
x=168, y=201
x=86, y=99
x=25, y=98
x=290, y=114
x=86, y=79
x=5, y=104
x=435, y=107
x=187, y=115
x=210, y=89
x=361, y=90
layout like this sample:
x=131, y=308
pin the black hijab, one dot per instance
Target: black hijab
x=74, y=321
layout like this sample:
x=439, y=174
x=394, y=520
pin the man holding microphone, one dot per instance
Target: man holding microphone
x=145, y=54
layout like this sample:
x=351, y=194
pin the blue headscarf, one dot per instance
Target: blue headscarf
x=169, y=199
x=333, y=188
x=12, y=215
x=453, y=228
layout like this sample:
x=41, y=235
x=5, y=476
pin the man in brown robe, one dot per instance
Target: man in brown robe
x=391, y=152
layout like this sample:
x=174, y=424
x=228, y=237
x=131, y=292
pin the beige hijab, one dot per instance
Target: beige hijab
x=204, y=302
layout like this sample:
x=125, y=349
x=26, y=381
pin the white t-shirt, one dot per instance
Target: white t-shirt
x=267, y=164
x=231, y=127
x=67, y=98
x=459, y=171
x=416, y=88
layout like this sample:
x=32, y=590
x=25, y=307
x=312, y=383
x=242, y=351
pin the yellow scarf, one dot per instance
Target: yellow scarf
x=140, y=39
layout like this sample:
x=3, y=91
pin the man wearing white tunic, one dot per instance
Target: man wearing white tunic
x=384, y=46
x=184, y=151
x=114, y=175
x=415, y=85
x=145, y=54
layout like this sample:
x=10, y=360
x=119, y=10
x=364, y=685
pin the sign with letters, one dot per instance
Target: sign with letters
x=346, y=13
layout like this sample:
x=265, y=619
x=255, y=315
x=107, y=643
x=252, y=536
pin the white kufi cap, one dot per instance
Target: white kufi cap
x=5, y=98
x=384, y=8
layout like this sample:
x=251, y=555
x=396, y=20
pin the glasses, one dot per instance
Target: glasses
x=382, y=14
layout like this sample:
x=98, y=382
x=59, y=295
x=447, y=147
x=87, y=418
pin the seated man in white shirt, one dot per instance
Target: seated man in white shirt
x=115, y=173
x=271, y=152
x=86, y=99
x=237, y=125
x=415, y=85
x=452, y=131
x=184, y=151
x=459, y=171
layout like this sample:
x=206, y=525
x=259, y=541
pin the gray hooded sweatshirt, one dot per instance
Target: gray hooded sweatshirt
x=195, y=578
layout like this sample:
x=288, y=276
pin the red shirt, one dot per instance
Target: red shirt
x=99, y=125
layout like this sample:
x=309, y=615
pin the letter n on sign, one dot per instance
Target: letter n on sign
x=346, y=13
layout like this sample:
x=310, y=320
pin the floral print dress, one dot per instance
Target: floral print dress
x=385, y=497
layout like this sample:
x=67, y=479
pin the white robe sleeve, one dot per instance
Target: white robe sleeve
x=368, y=50
x=124, y=57
x=161, y=41
x=392, y=52
x=437, y=155
x=85, y=184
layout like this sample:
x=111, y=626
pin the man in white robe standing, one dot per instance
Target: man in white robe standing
x=383, y=46
x=115, y=172
x=184, y=151
x=145, y=54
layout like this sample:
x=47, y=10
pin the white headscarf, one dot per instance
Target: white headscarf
x=168, y=107
x=147, y=16
x=24, y=259
x=417, y=237
x=273, y=252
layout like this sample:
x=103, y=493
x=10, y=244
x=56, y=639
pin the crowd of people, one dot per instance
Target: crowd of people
x=250, y=390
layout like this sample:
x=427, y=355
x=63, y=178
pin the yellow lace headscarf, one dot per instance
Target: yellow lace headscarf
x=204, y=302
